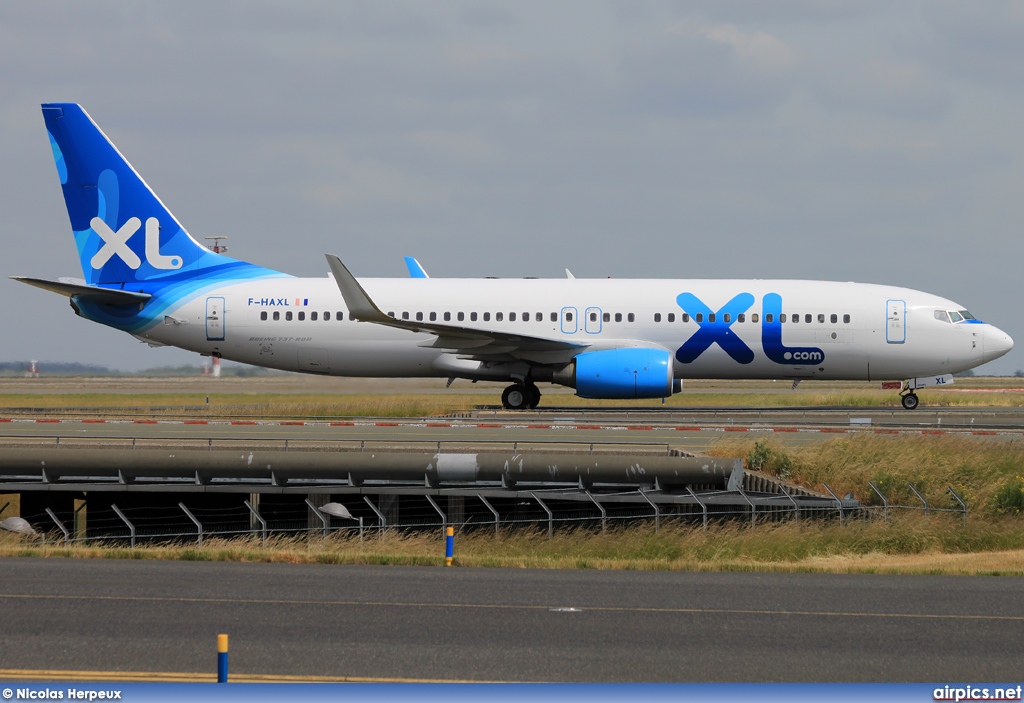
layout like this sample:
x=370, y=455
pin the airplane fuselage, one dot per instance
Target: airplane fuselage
x=607, y=338
x=832, y=330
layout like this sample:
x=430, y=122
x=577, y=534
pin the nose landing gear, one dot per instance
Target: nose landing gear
x=520, y=396
x=909, y=400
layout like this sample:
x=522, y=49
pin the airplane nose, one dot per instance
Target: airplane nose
x=996, y=343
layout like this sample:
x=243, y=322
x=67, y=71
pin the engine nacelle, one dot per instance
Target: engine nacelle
x=633, y=372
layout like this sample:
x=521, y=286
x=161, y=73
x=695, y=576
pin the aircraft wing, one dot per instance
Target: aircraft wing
x=110, y=296
x=472, y=342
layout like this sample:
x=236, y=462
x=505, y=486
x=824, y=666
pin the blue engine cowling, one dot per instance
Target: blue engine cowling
x=634, y=372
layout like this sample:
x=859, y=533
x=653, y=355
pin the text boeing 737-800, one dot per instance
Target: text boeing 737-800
x=145, y=275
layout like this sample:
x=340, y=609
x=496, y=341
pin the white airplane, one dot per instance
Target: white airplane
x=607, y=338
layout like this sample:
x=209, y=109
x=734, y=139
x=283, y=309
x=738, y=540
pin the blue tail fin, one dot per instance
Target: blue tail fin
x=124, y=233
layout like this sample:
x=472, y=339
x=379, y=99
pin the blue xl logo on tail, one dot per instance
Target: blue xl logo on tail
x=116, y=243
x=715, y=327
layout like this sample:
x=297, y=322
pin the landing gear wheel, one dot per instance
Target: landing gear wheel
x=532, y=396
x=909, y=401
x=515, y=397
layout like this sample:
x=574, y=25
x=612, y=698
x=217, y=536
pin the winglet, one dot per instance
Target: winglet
x=359, y=304
x=415, y=269
x=568, y=274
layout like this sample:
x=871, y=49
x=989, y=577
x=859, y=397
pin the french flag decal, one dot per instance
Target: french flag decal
x=302, y=301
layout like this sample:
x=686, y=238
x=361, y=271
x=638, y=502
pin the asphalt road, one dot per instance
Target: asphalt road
x=508, y=625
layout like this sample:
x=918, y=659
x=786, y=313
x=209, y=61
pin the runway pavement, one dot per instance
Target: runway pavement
x=509, y=625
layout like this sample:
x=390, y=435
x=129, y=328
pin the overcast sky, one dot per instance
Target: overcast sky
x=871, y=141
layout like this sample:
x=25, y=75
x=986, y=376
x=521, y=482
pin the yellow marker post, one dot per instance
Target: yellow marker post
x=222, y=658
x=449, y=545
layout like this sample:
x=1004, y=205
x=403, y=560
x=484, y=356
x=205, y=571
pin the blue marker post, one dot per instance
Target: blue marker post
x=222, y=658
x=449, y=545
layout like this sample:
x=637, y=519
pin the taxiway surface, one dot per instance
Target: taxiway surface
x=506, y=624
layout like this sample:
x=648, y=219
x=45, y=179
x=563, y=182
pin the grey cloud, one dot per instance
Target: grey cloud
x=697, y=139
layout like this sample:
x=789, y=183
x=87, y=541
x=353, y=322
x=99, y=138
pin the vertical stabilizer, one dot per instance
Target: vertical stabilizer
x=123, y=232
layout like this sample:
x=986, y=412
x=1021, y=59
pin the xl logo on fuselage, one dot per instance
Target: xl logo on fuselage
x=715, y=328
x=116, y=243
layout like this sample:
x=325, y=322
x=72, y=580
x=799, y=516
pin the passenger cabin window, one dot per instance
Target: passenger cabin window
x=568, y=317
x=671, y=317
x=607, y=317
x=685, y=317
x=447, y=317
x=511, y=317
x=461, y=316
x=782, y=317
x=433, y=316
x=742, y=317
x=657, y=317
x=498, y=317
x=699, y=317
x=821, y=318
x=341, y=316
x=769, y=318
x=327, y=316
x=754, y=317
x=726, y=317
x=405, y=316
x=618, y=317
x=263, y=315
x=487, y=317
x=391, y=314
x=834, y=318
x=630, y=317
x=593, y=317
x=472, y=317
x=302, y=315
x=288, y=315
x=807, y=318
x=313, y=316
x=846, y=319
x=554, y=317
x=277, y=315
x=419, y=317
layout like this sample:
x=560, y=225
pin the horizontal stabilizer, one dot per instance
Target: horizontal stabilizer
x=109, y=296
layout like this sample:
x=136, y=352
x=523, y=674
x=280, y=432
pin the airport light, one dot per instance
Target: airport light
x=18, y=525
x=336, y=510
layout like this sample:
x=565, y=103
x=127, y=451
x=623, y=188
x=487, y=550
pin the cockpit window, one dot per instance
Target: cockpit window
x=967, y=315
x=955, y=316
x=942, y=315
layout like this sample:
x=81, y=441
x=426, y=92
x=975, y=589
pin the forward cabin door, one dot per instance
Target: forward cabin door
x=215, y=319
x=896, y=321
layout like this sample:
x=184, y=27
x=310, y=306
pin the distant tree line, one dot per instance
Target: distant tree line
x=63, y=368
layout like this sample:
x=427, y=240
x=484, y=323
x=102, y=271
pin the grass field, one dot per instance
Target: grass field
x=313, y=397
x=988, y=472
x=909, y=544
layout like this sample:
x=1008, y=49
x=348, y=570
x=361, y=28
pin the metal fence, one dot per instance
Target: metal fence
x=495, y=510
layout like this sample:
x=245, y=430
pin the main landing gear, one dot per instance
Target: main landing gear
x=520, y=396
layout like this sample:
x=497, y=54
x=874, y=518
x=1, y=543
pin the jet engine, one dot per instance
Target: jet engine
x=633, y=372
